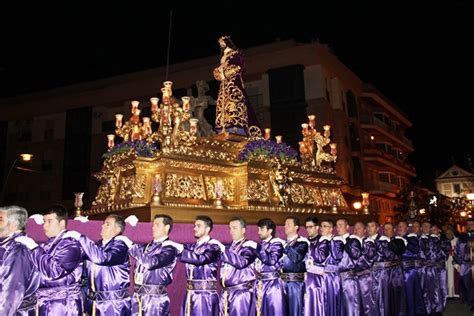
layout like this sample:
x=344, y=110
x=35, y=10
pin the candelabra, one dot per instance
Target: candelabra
x=171, y=117
x=312, y=146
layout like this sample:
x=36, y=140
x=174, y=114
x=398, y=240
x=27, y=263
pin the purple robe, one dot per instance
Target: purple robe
x=398, y=303
x=332, y=280
x=201, y=271
x=238, y=275
x=365, y=278
x=381, y=275
x=434, y=277
x=59, y=261
x=19, y=278
x=348, y=267
x=269, y=289
x=314, y=303
x=108, y=272
x=153, y=273
x=293, y=271
x=462, y=256
x=411, y=264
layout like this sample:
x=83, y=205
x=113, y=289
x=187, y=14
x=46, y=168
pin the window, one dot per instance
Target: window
x=456, y=188
x=48, y=134
x=48, y=130
x=384, y=177
x=351, y=104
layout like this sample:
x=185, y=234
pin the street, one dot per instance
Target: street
x=455, y=308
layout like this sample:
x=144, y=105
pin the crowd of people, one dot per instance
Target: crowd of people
x=390, y=270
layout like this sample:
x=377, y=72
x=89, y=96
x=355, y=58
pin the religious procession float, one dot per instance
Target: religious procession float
x=164, y=165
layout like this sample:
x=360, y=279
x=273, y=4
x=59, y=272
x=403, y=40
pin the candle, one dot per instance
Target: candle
x=219, y=188
x=135, y=133
x=193, y=125
x=118, y=120
x=110, y=140
x=168, y=86
x=302, y=148
x=157, y=184
x=334, y=198
x=134, y=106
x=186, y=104
x=333, y=149
x=327, y=130
x=154, y=104
x=267, y=133
x=312, y=120
x=278, y=139
x=166, y=95
x=365, y=198
x=304, y=129
x=147, y=125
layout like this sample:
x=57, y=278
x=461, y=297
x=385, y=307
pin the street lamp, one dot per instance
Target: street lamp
x=22, y=157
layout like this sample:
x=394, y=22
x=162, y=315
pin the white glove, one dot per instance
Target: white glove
x=82, y=219
x=218, y=243
x=457, y=267
x=72, y=234
x=178, y=246
x=125, y=239
x=27, y=241
x=132, y=220
x=281, y=241
x=38, y=218
x=250, y=243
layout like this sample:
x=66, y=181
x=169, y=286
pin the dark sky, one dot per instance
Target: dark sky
x=419, y=57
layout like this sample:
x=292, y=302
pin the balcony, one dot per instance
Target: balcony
x=378, y=156
x=370, y=122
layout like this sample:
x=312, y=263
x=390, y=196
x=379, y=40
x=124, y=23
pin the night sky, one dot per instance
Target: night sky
x=419, y=57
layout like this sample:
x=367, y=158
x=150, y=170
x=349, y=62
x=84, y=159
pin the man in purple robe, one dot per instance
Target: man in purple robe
x=312, y=227
x=237, y=272
x=390, y=284
x=410, y=261
x=59, y=261
x=464, y=258
x=332, y=279
x=108, y=268
x=201, y=259
x=318, y=252
x=348, y=268
x=364, y=268
x=269, y=290
x=436, y=251
x=19, y=278
x=155, y=262
x=293, y=267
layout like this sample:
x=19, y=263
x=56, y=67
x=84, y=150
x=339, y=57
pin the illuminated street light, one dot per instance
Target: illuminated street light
x=357, y=205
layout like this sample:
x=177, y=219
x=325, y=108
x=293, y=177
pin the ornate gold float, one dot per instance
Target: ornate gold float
x=174, y=171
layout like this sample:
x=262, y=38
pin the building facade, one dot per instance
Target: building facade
x=455, y=182
x=286, y=81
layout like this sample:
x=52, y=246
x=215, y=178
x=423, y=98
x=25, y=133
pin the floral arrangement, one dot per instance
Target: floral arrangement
x=262, y=149
x=140, y=147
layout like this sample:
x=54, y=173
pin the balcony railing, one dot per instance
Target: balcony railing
x=370, y=120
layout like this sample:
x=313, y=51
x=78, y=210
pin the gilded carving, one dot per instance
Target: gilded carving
x=258, y=190
x=139, y=185
x=184, y=186
x=228, y=189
